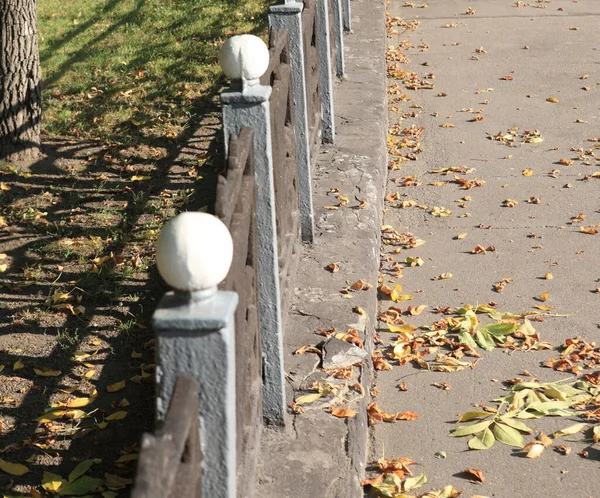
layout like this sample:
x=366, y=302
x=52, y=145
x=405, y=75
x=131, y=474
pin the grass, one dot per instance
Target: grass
x=130, y=90
x=134, y=69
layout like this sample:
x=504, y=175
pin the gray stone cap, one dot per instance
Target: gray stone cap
x=287, y=8
x=251, y=95
x=178, y=312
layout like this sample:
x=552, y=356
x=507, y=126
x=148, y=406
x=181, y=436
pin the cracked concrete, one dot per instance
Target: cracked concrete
x=318, y=454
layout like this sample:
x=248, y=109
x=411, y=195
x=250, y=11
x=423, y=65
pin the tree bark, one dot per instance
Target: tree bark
x=20, y=81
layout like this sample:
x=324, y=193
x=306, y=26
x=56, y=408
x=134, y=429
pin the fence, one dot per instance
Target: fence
x=230, y=339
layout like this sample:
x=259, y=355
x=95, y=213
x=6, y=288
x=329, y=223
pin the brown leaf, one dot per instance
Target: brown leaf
x=475, y=474
x=544, y=297
x=333, y=267
x=343, y=412
x=478, y=249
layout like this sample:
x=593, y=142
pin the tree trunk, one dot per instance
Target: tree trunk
x=20, y=81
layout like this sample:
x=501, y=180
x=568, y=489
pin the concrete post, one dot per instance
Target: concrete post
x=246, y=103
x=346, y=15
x=339, y=37
x=289, y=16
x=325, y=71
x=195, y=336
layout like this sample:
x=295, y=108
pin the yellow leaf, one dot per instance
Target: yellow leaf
x=52, y=482
x=4, y=186
x=527, y=172
x=46, y=372
x=78, y=402
x=554, y=100
x=18, y=365
x=117, y=415
x=123, y=403
x=544, y=297
x=308, y=398
x=89, y=374
x=51, y=415
x=543, y=307
x=127, y=458
x=548, y=276
x=117, y=386
x=461, y=236
x=3, y=268
x=14, y=469
x=535, y=450
x=402, y=297
x=589, y=230
x=401, y=329
x=139, y=178
x=3, y=256
x=102, y=425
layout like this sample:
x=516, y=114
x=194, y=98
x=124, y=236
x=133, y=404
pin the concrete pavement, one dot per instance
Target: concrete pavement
x=494, y=65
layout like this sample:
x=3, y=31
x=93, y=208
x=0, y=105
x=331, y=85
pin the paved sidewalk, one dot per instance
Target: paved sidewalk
x=515, y=103
x=319, y=454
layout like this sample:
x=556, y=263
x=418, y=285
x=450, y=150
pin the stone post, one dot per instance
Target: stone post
x=244, y=60
x=338, y=33
x=195, y=333
x=325, y=71
x=289, y=16
x=346, y=15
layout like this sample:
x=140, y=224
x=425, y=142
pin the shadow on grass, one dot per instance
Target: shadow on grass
x=81, y=225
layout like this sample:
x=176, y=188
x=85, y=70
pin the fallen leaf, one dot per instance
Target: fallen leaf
x=343, y=412
x=117, y=415
x=510, y=203
x=333, y=268
x=46, y=372
x=475, y=474
x=117, y=386
x=14, y=469
x=461, y=236
x=544, y=297
x=588, y=230
x=535, y=449
x=18, y=365
x=548, y=276
x=527, y=172
x=554, y=100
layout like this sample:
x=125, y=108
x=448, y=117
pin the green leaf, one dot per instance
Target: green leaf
x=516, y=424
x=467, y=339
x=507, y=435
x=549, y=407
x=415, y=482
x=465, y=417
x=82, y=468
x=465, y=430
x=484, y=339
x=82, y=486
x=526, y=328
x=569, y=431
x=496, y=315
x=555, y=392
x=500, y=329
x=483, y=441
x=14, y=469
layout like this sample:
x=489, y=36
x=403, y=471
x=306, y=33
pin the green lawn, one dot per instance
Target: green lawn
x=134, y=69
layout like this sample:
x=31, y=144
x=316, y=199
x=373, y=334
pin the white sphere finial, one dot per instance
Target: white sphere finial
x=194, y=251
x=244, y=57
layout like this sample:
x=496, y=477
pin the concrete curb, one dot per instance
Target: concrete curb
x=320, y=455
